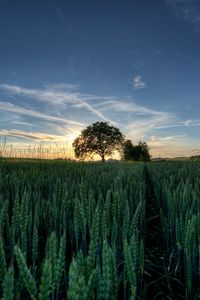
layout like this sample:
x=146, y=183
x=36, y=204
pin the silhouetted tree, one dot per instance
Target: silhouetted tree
x=128, y=149
x=99, y=138
x=139, y=152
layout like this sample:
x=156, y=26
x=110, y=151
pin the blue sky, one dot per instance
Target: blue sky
x=67, y=64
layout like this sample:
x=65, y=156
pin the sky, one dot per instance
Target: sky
x=134, y=63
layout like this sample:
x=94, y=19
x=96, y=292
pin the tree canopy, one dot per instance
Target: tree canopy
x=138, y=152
x=99, y=138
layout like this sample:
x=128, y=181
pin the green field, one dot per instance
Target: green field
x=84, y=231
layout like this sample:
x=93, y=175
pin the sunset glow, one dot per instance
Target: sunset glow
x=65, y=66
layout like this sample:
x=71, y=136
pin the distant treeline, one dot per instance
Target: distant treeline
x=195, y=157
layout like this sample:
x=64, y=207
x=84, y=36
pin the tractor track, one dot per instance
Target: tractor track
x=156, y=283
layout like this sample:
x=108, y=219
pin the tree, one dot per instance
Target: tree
x=139, y=152
x=99, y=138
x=128, y=149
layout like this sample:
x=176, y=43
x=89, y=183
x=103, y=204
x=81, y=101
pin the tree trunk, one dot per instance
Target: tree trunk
x=103, y=158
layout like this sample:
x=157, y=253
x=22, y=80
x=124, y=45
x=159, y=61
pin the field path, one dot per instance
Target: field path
x=156, y=285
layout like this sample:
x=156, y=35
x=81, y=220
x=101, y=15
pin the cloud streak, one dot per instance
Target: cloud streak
x=169, y=146
x=188, y=10
x=105, y=108
x=56, y=95
x=36, y=136
x=66, y=26
x=61, y=112
x=128, y=107
x=7, y=106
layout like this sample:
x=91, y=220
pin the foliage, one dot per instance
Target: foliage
x=99, y=138
x=138, y=152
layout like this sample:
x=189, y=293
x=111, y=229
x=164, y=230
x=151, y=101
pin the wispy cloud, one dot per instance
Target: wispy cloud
x=142, y=127
x=62, y=87
x=187, y=123
x=138, y=83
x=59, y=95
x=24, y=123
x=139, y=119
x=128, y=107
x=63, y=20
x=191, y=122
x=6, y=106
x=154, y=138
x=169, y=146
x=37, y=136
x=138, y=65
x=188, y=10
x=60, y=111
